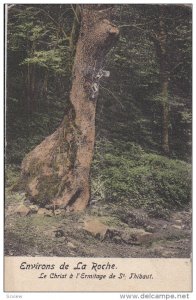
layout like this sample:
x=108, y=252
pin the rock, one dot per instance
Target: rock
x=150, y=229
x=45, y=212
x=168, y=254
x=49, y=206
x=132, y=236
x=95, y=227
x=33, y=208
x=59, y=233
x=69, y=209
x=61, y=239
x=58, y=212
x=22, y=210
x=178, y=222
x=27, y=202
x=49, y=213
x=177, y=226
x=41, y=211
x=136, y=236
x=165, y=226
x=71, y=245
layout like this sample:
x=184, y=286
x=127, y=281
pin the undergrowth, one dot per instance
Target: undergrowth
x=123, y=173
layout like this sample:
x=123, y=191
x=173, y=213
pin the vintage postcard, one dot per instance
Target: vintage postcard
x=98, y=156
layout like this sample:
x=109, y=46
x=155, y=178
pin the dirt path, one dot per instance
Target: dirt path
x=133, y=235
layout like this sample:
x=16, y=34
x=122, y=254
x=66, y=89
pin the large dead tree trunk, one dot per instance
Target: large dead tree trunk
x=57, y=171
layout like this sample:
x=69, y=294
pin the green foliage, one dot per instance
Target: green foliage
x=51, y=60
x=135, y=103
x=11, y=176
x=131, y=176
x=39, y=67
x=29, y=133
x=98, y=189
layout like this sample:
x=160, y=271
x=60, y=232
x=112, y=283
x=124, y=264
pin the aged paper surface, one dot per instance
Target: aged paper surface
x=97, y=274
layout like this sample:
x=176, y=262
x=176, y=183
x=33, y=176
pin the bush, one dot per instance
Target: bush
x=11, y=175
x=154, y=182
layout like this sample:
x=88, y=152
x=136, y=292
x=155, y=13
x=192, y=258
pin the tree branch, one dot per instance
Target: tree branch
x=117, y=100
x=53, y=20
x=75, y=13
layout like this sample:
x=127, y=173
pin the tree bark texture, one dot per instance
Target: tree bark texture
x=165, y=117
x=161, y=50
x=164, y=83
x=57, y=171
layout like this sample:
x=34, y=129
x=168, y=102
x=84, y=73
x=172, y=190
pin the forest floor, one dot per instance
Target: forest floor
x=101, y=231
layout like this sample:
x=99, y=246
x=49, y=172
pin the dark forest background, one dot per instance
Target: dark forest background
x=129, y=166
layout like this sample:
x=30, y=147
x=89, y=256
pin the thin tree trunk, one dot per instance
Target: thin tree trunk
x=57, y=170
x=165, y=117
x=75, y=28
x=28, y=89
x=161, y=49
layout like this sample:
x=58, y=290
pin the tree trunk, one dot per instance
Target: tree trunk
x=75, y=28
x=165, y=117
x=57, y=171
x=161, y=50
